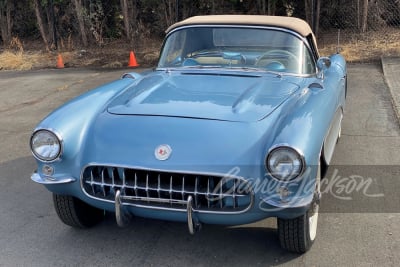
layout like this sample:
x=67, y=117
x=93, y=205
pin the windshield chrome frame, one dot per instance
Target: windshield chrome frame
x=302, y=39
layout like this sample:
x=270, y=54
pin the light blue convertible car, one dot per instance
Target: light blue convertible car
x=237, y=123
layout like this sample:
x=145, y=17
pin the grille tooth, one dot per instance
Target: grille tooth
x=196, y=200
x=102, y=182
x=170, y=188
x=234, y=194
x=92, y=183
x=135, y=185
x=158, y=186
x=208, y=193
x=147, y=186
x=123, y=183
x=183, y=188
x=157, y=189
x=221, y=194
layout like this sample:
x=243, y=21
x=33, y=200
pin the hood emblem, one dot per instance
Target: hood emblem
x=163, y=152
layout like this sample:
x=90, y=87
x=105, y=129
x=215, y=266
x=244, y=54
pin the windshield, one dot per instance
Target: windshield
x=235, y=47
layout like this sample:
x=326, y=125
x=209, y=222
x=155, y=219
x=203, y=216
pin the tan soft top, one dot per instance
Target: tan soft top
x=295, y=24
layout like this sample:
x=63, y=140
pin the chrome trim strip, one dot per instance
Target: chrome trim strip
x=182, y=210
x=250, y=206
x=227, y=69
x=331, y=137
x=49, y=180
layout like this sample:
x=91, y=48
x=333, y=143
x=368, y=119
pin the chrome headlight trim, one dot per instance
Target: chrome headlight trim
x=291, y=153
x=55, y=145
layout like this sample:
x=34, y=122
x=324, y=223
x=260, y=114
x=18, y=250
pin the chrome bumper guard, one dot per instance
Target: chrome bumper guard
x=193, y=225
x=123, y=217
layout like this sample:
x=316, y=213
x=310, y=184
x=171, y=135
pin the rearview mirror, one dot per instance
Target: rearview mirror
x=323, y=64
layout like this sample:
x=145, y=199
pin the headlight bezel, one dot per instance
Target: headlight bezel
x=56, y=137
x=294, y=152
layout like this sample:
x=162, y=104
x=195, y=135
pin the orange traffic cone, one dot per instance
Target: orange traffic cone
x=60, y=63
x=132, y=60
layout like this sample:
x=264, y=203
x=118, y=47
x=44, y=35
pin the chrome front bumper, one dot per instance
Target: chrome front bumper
x=47, y=180
x=123, y=217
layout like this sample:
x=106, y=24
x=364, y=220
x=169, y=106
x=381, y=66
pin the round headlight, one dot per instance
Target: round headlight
x=284, y=163
x=45, y=145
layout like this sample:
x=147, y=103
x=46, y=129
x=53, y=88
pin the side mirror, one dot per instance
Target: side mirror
x=323, y=64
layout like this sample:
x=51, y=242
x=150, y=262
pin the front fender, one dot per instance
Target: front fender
x=304, y=123
x=71, y=122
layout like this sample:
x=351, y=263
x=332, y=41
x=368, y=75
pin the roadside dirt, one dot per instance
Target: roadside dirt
x=31, y=55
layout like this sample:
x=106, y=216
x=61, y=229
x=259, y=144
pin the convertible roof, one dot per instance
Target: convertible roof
x=294, y=24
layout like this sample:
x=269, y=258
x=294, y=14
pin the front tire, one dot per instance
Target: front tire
x=76, y=213
x=298, y=234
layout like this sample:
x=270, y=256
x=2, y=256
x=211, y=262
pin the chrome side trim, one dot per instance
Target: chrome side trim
x=332, y=136
x=50, y=180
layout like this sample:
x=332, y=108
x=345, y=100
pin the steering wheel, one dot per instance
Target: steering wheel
x=277, y=56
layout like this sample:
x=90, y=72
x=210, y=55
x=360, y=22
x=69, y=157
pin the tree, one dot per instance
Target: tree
x=313, y=11
x=126, y=18
x=271, y=7
x=364, y=20
x=80, y=15
x=6, y=21
x=40, y=23
x=169, y=11
x=97, y=19
x=262, y=6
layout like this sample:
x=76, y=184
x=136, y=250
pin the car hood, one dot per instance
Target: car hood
x=203, y=95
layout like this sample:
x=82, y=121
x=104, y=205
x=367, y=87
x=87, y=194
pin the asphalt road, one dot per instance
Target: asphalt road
x=359, y=225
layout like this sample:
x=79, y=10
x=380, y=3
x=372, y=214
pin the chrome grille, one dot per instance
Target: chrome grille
x=166, y=190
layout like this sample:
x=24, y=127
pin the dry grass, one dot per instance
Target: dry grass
x=14, y=61
x=113, y=55
x=363, y=47
x=11, y=60
x=116, y=58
